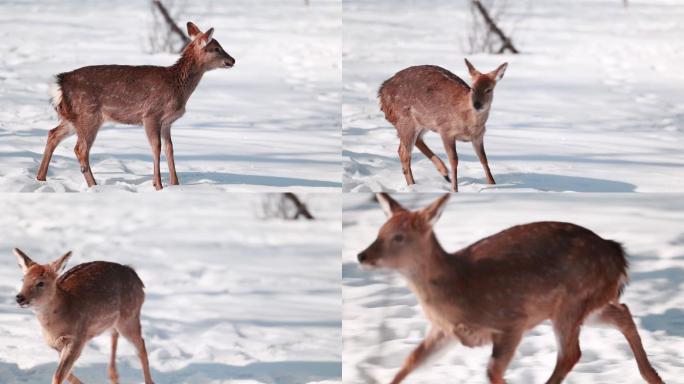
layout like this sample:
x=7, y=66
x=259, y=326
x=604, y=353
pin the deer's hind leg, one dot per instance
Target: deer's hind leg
x=86, y=130
x=406, y=142
x=113, y=374
x=55, y=136
x=441, y=168
x=450, y=148
x=132, y=331
x=566, y=326
x=618, y=316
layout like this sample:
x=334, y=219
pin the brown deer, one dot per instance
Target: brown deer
x=145, y=95
x=82, y=303
x=428, y=97
x=499, y=287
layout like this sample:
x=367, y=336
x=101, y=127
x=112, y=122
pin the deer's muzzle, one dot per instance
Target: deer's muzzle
x=22, y=301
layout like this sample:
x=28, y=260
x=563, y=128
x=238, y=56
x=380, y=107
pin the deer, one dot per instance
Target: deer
x=151, y=96
x=428, y=97
x=494, y=290
x=80, y=304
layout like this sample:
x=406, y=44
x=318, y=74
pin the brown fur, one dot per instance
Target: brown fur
x=499, y=287
x=428, y=97
x=81, y=304
x=146, y=95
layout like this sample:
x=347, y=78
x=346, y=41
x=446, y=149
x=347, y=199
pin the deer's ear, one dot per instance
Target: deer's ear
x=471, y=69
x=205, y=38
x=23, y=260
x=59, y=264
x=193, y=31
x=433, y=211
x=389, y=205
x=208, y=34
x=498, y=73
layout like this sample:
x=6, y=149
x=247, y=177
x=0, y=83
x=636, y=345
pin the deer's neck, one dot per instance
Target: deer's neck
x=430, y=264
x=187, y=72
x=52, y=310
x=438, y=285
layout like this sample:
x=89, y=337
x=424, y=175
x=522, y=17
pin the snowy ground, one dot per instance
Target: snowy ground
x=244, y=129
x=382, y=321
x=592, y=105
x=230, y=298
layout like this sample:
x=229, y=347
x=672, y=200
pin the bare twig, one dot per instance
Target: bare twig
x=507, y=43
x=302, y=210
x=287, y=206
x=170, y=22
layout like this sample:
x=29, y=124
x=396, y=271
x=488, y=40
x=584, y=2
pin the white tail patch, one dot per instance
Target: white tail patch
x=55, y=94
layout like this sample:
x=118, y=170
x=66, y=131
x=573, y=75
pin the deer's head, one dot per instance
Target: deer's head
x=482, y=88
x=40, y=280
x=207, y=50
x=405, y=237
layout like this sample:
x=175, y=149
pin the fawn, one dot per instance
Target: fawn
x=499, y=287
x=145, y=95
x=429, y=97
x=82, y=303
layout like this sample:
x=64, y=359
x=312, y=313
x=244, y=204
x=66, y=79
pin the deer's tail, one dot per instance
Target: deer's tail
x=58, y=99
x=621, y=265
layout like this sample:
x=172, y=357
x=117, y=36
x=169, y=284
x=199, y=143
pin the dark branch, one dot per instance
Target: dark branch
x=302, y=210
x=507, y=43
x=171, y=23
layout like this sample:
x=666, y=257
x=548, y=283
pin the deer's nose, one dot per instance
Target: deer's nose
x=20, y=299
x=477, y=105
x=362, y=257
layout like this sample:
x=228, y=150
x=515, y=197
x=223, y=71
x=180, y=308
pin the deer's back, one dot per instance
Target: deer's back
x=427, y=93
x=103, y=287
x=121, y=93
x=526, y=272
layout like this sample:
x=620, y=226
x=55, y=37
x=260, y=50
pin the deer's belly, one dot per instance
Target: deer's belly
x=465, y=134
x=470, y=335
x=101, y=324
x=132, y=116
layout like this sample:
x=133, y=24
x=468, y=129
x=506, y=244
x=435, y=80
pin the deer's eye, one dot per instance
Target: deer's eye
x=398, y=238
x=40, y=284
x=488, y=91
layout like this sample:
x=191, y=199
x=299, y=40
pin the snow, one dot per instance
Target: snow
x=230, y=297
x=593, y=104
x=245, y=129
x=383, y=323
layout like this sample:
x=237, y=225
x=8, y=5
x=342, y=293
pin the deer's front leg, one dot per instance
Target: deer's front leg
x=68, y=355
x=168, y=148
x=435, y=340
x=478, y=145
x=153, y=131
x=503, y=351
x=450, y=148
